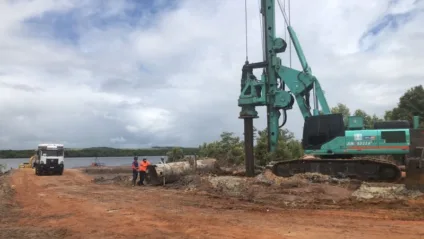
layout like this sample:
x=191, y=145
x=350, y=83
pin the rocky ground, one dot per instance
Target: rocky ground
x=78, y=205
x=300, y=191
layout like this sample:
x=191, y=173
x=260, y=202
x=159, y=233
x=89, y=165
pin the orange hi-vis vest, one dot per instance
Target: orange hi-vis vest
x=142, y=166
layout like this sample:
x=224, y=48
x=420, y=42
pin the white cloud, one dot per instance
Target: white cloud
x=175, y=77
x=152, y=120
x=118, y=140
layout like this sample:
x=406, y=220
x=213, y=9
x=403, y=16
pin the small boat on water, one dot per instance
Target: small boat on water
x=97, y=163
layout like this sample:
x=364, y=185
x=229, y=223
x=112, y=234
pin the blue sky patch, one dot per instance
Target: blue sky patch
x=389, y=21
x=65, y=26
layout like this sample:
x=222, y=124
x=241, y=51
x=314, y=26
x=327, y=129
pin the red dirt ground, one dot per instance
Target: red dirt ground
x=72, y=206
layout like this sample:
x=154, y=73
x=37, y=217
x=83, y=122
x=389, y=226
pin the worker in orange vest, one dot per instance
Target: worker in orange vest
x=142, y=167
x=135, y=167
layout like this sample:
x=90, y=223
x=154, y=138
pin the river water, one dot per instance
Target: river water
x=83, y=162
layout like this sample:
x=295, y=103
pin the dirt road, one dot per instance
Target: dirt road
x=71, y=206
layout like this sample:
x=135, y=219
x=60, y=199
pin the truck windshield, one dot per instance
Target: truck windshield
x=52, y=153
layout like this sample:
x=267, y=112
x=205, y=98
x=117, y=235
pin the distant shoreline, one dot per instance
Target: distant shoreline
x=100, y=152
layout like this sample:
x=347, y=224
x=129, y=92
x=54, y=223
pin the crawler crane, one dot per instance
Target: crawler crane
x=324, y=133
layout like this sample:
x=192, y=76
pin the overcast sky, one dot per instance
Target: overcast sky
x=125, y=74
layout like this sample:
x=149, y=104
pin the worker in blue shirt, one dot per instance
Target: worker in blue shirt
x=134, y=167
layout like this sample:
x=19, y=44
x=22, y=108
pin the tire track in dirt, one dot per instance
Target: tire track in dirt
x=82, y=209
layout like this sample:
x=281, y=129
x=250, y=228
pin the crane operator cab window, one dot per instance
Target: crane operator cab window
x=320, y=129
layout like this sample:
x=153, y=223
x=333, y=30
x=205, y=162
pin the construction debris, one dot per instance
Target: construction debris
x=300, y=190
x=384, y=191
x=268, y=177
x=229, y=185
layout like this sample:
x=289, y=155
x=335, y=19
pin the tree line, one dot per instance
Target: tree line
x=230, y=148
x=100, y=152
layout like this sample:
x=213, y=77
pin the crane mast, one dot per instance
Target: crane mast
x=269, y=91
x=273, y=113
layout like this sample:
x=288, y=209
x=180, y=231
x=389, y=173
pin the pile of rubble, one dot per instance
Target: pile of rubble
x=369, y=191
x=267, y=177
x=267, y=187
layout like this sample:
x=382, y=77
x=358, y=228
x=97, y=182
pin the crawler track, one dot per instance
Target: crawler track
x=362, y=169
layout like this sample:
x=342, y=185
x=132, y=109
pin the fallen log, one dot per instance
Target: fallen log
x=160, y=174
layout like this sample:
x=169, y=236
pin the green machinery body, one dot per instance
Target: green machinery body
x=324, y=134
x=351, y=152
x=365, y=142
x=386, y=138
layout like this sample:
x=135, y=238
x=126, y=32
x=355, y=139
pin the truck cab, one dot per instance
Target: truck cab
x=50, y=159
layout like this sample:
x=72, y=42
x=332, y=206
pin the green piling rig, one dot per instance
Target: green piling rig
x=270, y=90
x=324, y=133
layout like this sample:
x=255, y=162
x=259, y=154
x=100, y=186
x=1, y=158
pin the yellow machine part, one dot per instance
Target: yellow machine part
x=29, y=164
x=25, y=165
